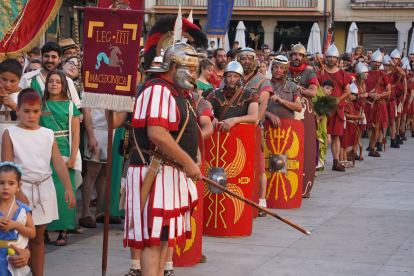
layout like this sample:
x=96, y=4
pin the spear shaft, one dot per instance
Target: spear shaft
x=245, y=200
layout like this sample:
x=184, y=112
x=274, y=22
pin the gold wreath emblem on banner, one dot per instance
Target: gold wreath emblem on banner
x=279, y=139
x=233, y=169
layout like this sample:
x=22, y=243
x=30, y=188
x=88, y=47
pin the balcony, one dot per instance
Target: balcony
x=381, y=4
x=245, y=3
x=306, y=7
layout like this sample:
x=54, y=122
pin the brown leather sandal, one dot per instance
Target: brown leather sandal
x=87, y=222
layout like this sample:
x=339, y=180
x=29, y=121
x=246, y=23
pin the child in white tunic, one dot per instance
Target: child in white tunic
x=33, y=147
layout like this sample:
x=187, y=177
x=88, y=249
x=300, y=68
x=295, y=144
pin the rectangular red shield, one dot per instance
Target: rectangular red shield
x=284, y=164
x=225, y=216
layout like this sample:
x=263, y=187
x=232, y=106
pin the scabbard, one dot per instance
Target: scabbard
x=146, y=186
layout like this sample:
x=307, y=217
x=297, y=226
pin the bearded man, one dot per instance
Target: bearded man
x=341, y=80
x=378, y=88
x=51, y=58
x=220, y=63
x=307, y=81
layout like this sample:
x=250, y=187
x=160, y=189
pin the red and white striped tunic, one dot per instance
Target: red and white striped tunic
x=172, y=196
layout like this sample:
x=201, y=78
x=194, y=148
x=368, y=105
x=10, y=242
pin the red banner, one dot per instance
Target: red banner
x=125, y=4
x=28, y=28
x=110, y=59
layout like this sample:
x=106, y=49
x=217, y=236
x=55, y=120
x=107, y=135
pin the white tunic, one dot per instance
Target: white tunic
x=32, y=151
x=100, y=130
x=26, y=80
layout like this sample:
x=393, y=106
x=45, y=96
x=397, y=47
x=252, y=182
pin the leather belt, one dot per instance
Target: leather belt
x=390, y=100
x=398, y=96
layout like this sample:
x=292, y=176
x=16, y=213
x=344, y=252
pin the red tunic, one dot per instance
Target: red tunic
x=410, y=86
x=341, y=79
x=215, y=79
x=357, y=106
x=376, y=112
x=348, y=139
x=397, y=90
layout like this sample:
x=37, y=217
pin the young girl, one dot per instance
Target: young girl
x=32, y=147
x=204, y=71
x=65, y=124
x=10, y=74
x=16, y=223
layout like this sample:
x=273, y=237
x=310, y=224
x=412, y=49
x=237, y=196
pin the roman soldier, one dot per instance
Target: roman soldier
x=307, y=81
x=165, y=120
x=341, y=80
x=247, y=57
x=228, y=111
x=410, y=94
x=286, y=99
x=379, y=89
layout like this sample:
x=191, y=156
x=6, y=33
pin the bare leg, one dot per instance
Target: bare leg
x=100, y=188
x=150, y=260
x=168, y=252
x=403, y=126
x=37, y=251
x=412, y=124
x=391, y=127
x=336, y=146
x=87, y=186
x=397, y=126
x=341, y=155
x=374, y=135
x=135, y=254
x=263, y=185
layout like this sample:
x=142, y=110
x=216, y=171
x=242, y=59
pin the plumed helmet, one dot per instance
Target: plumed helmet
x=332, y=51
x=395, y=54
x=354, y=88
x=406, y=66
x=234, y=67
x=249, y=52
x=386, y=60
x=404, y=60
x=179, y=53
x=377, y=56
x=361, y=68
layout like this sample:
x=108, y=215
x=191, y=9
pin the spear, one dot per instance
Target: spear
x=212, y=183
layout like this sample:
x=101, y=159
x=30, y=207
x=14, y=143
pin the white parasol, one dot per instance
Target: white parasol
x=352, y=41
x=240, y=34
x=314, y=42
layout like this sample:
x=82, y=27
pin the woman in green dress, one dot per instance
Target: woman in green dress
x=65, y=124
x=204, y=71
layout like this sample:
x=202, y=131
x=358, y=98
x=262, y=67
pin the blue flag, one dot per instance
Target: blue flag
x=218, y=17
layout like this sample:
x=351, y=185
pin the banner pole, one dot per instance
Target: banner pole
x=107, y=193
x=108, y=180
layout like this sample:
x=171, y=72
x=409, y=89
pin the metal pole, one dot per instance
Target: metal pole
x=325, y=24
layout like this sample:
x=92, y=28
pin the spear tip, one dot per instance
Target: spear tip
x=308, y=233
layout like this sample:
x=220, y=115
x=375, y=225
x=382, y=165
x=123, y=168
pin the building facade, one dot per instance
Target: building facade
x=386, y=23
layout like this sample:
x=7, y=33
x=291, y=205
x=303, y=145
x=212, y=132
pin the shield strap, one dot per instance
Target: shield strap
x=238, y=92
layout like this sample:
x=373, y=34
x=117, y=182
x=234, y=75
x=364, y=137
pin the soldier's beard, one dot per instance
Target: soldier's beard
x=247, y=71
x=296, y=63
